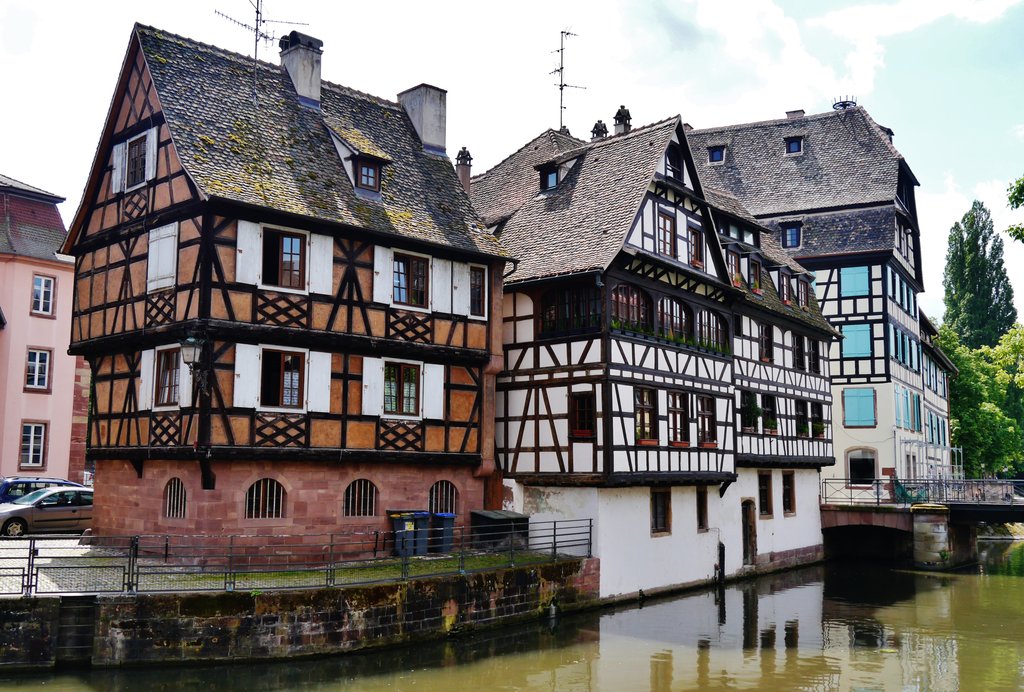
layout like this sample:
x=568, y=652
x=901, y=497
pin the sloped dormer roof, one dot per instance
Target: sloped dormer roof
x=847, y=160
x=581, y=224
x=30, y=225
x=274, y=153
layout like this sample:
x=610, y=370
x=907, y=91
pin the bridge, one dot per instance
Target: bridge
x=935, y=519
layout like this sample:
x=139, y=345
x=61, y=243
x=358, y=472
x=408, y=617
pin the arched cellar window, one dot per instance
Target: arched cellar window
x=710, y=331
x=264, y=500
x=861, y=466
x=360, y=499
x=570, y=309
x=631, y=308
x=174, y=499
x=444, y=497
x=673, y=319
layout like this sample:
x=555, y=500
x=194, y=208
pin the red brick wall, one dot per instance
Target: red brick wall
x=127, y=505
x=79, y=420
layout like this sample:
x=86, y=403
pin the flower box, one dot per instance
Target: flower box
x=748, y=429
x=771, y=431
x=757, y=291
x=678, y=443
x=708, y=445
x=647, y=442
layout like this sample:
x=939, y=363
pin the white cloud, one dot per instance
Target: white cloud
x=1018, y=131
x=938, y=211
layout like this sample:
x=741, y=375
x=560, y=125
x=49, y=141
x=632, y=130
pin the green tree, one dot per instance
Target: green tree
x=979, y=298
x=1015, y=196
x=978, y=422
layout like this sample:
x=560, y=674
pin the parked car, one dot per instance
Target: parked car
x=13, y=487
x=49, y=510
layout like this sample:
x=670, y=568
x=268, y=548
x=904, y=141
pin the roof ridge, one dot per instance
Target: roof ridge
x=548, y=131
x=621, y=137
x=160, y=33
x=778, y=121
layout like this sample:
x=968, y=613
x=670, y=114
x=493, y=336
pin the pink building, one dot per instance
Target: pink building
x=43, y=394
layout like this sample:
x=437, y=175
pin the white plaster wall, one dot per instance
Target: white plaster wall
x=880, y=438
x=781, y=532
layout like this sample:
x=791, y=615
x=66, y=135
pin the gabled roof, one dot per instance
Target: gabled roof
x=30, y=225
x=277, y=154
x=847, y=160
x=581, y=224
x=506, y=187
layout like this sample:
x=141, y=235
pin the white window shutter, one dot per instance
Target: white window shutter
x=151, y=152
x=318, y=382
x=248, y=258
x=162, y=257
x=247, y=376
x=373, y=386
x=146, y=377
x=321, y=264
x=433, y=390
x=460, y=288
x=383, y=274
x=117, y=163
x=441, y=285
x=185, y=383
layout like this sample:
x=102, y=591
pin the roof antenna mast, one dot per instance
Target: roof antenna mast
x=560, y=71
x=258, y=34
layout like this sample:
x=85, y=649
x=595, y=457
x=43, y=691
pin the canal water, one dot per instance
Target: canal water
x=841, y=626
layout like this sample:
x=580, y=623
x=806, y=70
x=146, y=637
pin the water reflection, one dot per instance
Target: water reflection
x=847, y=626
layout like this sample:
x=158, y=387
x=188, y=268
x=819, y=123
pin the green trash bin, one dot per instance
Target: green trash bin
x=411, y=528
x=442, y=532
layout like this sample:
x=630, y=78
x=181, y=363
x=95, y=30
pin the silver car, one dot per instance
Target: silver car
x=49, y=510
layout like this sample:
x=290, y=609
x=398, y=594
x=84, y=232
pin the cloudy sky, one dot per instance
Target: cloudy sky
x=945, y=75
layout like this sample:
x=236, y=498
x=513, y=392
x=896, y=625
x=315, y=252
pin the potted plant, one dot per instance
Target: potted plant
x=755, y=286
x=771, y=426
x=802, y=428
x=737, y=279
x=750, y=412
x=645, y=441
x=818, y=428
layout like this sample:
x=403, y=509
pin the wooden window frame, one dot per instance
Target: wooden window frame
x=402, y=370
x=47, y=386
x=678, y=418
x=754, y=278
x=707, y=421
x=266, y=354
x=702, y=508
x=732, y=263
x=696, y=257
x=136, y=163
x=765, y=501
x=569, y=310
x=582, y=416
x=814, y=364
x=769, y=412
x=370, y=182
x=661, y=511
x=803, y=417
x=785, y=288
x=788, y=493
x=673, y=319
x=44, y=446
x=710, y=330
x=674, y=165
x=162, y=396
x=548, y=177
x=631, y=306
x=765, y=342
x=275, y=254
x=52, y=312
x=259, y=504
x=645, y=414
x=477, y=291
x=360, y=499
x=748, y=403
x=416, y=267
x=803, y=293
x=667, y=244
x=799, y=352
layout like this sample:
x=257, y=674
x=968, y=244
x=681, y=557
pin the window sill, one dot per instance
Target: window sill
x=285, y=289
x=280, y=409
x=44, y=315
x=788, y=514
x=37, y=390
x=660, y=534
x=32, y=469
x=765, y=516
x=410, y=308
x=400, y=418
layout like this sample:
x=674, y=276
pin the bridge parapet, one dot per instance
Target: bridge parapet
x=897, y=492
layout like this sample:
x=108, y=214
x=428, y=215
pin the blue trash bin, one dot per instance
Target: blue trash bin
x=442, y=532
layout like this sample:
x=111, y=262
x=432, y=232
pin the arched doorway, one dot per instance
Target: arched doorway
x=749, y=532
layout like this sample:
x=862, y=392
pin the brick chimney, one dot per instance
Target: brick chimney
x=463, y=166
x=300, y=57
x=426, y=107
x=793, y=115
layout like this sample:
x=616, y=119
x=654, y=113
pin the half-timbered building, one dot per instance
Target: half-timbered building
x=839, y=198
x=618, y=402
x=290, y=309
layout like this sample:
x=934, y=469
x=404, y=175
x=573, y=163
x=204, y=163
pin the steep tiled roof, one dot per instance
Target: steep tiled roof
x=770, y=249
x=276, y=153
x=499, y=192
x=843, y=232
x=581, y=224
x=847, y=159
x=30, y=225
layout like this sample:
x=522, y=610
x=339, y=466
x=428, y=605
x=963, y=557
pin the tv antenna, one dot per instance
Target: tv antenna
x=259, y=34
x=560, y=71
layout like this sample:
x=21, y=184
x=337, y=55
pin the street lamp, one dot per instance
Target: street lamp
x=191, y=354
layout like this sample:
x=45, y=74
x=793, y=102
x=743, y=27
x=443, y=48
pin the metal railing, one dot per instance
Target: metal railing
x=894, y=491
x=62, y=565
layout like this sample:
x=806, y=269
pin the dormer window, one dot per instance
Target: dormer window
x=794, y=145
x=790, y=235
x=136, y=162
x=674, y=162
x=368, y=175
x=548, y=178
x=716, y=154
x=802, y=293
x=785, y=288
x=755, y=276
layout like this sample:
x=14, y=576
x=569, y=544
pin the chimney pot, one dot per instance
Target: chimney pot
x=600, y=131
x=300, y=57
x=622, y=120
x=793, y=115
x=426, y=107
x=463, y=167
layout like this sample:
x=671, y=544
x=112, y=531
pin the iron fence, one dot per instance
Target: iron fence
x=894, y=491
x=59, y=565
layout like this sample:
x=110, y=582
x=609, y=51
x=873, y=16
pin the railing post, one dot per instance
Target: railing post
x=330, y=576
x=405, y=565
x=133, y=563
x=29, y=580
x=462, y=550
x=590, y=537
x=554, y=540
x=229, y=573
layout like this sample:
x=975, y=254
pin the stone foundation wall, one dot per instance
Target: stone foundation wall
x=28, y=632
